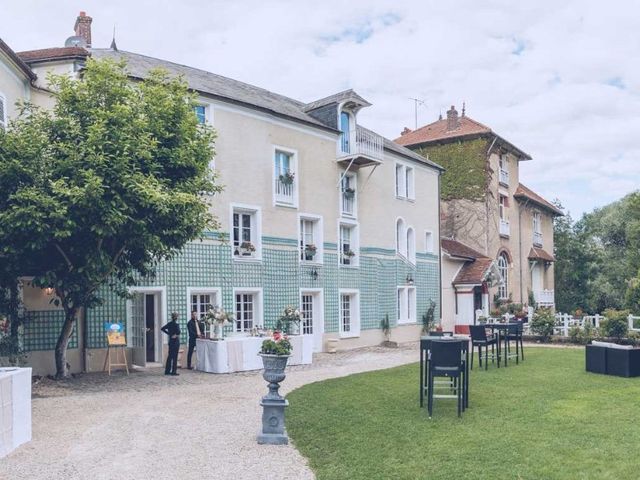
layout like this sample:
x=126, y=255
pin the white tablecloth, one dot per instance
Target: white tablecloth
x=15, y=408
x=239, y=354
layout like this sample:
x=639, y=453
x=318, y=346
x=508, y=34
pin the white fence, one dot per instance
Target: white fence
x=564, y=322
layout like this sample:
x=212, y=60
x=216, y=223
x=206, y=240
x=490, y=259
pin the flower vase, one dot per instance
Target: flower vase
x=218, y=332
x=273, y=404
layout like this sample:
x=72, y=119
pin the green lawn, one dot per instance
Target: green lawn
x=543, y=419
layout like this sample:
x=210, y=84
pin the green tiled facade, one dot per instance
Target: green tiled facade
x=279, y=274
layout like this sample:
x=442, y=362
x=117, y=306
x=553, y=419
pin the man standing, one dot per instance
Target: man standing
x=173, y=330
x=195, y=328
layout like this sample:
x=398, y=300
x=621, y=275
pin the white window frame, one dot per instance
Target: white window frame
x=401, y=237
x=318, y=237
x=411, y=244
x=502, y=206
x=258, y=311
x=257, y=216
x=5, y=114
x=214, y=291
x=353, y=180
x=293, y=166
x=406, y=309
x=354, y=317
x=318, y=314
x=354, y=242
x=428, y=242
x=503, y=288
x=405, y=181
x=537, y=222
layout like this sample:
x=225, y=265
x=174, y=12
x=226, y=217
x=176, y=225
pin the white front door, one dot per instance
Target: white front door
x=536, y=279
x=312, y=317
x=136, y=318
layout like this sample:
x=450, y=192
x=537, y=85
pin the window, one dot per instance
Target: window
x=246, y=233
x=428, y=242
x=311, y=247
x=345, y=128
x=348, y=197
x=349, y=244
x=407, y=312
x=202, y=301
x=349, y=313
x=285, y=178
x=411, y=245
x=503, y=170
x=503, y=268
x=201, y=113
x=405, y=182
x=401, y=235
x=536, y=222
x=248, y=310
x=504, y=203
x=307, y=313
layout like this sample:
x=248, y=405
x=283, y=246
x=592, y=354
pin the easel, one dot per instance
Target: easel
x=115, y=341
x=110, y=362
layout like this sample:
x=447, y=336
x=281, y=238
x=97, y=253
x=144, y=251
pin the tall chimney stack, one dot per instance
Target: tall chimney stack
x=452, y=119
x=83, y=27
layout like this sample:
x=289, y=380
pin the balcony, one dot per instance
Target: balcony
x=361, y=148
x=504, y=228
x=504, y=177
x=537, y=239
x=544, y=298
x=284, y=190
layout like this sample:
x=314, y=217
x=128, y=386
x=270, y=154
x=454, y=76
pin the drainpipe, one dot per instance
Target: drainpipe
x=440, y=245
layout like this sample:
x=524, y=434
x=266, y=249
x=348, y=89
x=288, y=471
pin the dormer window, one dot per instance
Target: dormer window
x=345, y=128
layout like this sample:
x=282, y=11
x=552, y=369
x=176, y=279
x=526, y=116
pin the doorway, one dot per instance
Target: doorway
x=145, y=317
x=312, y=312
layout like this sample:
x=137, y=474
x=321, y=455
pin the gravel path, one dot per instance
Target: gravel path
x=149, y=426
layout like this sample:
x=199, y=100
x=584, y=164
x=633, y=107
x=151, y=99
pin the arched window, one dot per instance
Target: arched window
x=401, y=237
x=503, y=268
x=411, y=245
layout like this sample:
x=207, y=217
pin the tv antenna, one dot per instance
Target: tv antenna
x=416, y=102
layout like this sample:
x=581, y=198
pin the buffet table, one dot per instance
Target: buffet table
x=239, y=354
x=15, y=408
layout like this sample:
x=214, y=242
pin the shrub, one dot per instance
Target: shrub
x=543, y=322
x=616, y=324
x=583, y=335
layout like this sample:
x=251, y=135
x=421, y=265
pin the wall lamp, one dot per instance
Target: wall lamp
x=409, y=279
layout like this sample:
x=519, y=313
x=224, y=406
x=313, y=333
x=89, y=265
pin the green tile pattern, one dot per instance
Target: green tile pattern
x=280, y=275
x=42, y=328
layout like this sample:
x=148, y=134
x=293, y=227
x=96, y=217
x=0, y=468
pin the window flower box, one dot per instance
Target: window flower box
x=287, y=178
x=349, y=193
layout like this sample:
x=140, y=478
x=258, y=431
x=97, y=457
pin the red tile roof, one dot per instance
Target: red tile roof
x=17, y=60
x=438, y=131
x=457, y=249
x=475, y=267
x=468, y=128
x=58, y=53
x=528, y=194
x=540, y=254
x=473, y=272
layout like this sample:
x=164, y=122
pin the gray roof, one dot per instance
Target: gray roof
x=344, y=96
x=216, y=85
x=241, y=93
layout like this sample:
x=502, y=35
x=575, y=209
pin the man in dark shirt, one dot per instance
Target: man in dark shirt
x=173, y=330
x=195, y=329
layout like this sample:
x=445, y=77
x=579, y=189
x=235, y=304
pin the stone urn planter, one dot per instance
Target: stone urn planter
x=273, y=404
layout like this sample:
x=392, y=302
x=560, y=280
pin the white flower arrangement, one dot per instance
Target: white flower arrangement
x=217, y=315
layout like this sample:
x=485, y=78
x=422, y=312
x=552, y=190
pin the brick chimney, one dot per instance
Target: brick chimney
x=405, y=131
x=452, y=119
x=83, y=27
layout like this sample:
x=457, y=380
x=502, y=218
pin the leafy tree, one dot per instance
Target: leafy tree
x=115, y=179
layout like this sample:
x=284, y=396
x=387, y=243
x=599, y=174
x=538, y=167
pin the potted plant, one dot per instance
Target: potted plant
x=349, y=254
x=247, y=248
x=217, y=318
x=275, y=353
x=290, y=317
x=287, y=178
x=310, y=251
x=349, y=193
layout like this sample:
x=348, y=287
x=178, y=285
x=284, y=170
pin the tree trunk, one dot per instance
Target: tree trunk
x=62, y=368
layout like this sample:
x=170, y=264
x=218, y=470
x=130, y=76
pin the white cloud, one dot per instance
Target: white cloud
x=556, y=79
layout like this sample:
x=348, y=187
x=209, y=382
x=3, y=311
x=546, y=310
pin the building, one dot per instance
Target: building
x=497, y=234
x=317, y=212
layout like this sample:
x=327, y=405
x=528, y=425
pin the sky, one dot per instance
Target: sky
x=561, y=80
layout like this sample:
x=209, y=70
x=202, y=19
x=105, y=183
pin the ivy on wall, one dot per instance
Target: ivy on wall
x=465, y=163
